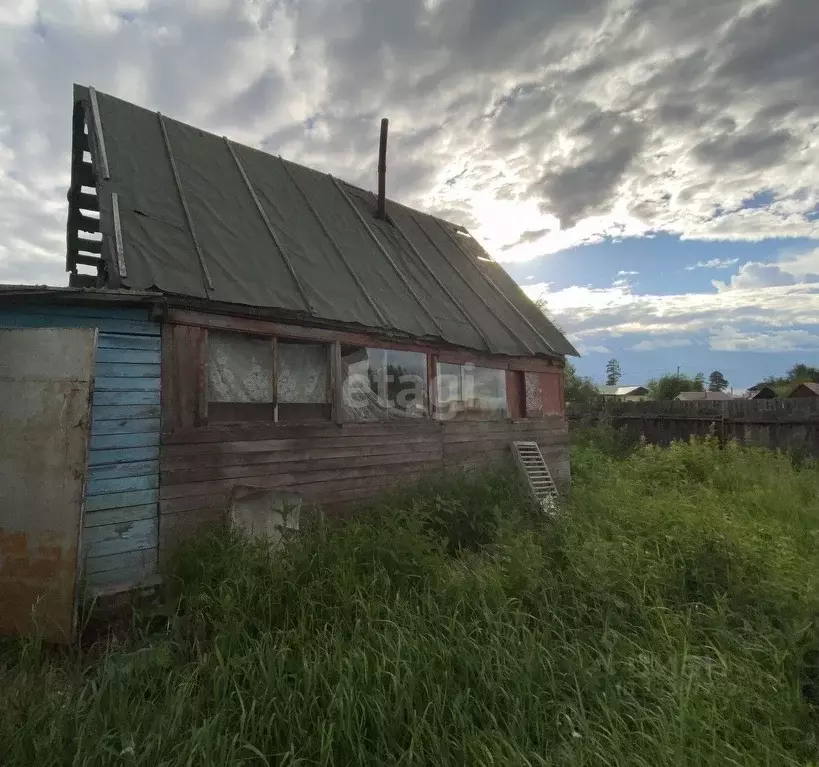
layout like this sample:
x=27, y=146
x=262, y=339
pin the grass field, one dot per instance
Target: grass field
x=670, y=617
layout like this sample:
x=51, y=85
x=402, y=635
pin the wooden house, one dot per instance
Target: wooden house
x=704, y=396
x=624, y=393
x=761, y=392
x=805, y=389
x=252, y=323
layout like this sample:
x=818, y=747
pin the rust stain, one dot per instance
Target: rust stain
x=13, y=543
x=36, y=582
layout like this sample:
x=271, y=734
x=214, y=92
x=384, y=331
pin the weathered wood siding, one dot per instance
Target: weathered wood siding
x=120, y=530
x=330, y=464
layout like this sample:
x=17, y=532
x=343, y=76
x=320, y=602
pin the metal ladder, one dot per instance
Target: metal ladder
x=538, y=477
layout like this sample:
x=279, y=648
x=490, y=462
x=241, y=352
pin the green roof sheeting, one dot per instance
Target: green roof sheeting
x=207, y=218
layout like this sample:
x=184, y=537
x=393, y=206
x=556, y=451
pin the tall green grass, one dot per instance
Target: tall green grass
x=670, y=616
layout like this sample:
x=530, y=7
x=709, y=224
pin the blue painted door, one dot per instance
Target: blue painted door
x=120, y=530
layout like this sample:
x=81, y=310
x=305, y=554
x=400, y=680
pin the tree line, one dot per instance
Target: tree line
x=667, y=387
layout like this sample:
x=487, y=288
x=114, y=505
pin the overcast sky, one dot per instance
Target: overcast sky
x=650, y=166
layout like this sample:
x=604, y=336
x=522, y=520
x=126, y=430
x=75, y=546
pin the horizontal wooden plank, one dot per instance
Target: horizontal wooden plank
x=114, y=370
x=122, y=398
x=123, y=441
x=122, y=412
x=121, y=456
x=126, y=384
x=369, y=487
x=122, y=579
x=547, y=423
x=209, y=473
x=321, y=492
x=141, y=315
x=113, y=471
x=541, y=437
x=265, y=431
x=120, y=516
x=128, y=341
x=259, y=446
x=318, y=453
x=499, y=362
x=292, y=479
x=24, y=319
x=143, y=558
x=121, y=484
x=120, y=500
x=192, y=503
x=501, y=443
x=122, y=356
x=107, y=540
x=126, y=426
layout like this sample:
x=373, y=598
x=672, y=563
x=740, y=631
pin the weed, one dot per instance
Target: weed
x=670, y=616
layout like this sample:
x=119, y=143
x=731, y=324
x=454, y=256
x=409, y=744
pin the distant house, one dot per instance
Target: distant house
x=624, y=393
x=709, y=396
x=805, y=389
x=761, y=391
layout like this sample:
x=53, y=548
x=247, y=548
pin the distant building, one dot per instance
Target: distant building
x=761, y=391
x=710, y=396
x=624, y=393
x=805, y=389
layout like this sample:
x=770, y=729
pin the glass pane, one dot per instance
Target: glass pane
x=240, y=368
x=448, y=384
x=485, y=390
x=381, y=384
x=302, y=373
x=407, y=381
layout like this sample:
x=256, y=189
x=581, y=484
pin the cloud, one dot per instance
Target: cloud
x=714, y=263
x=617, y=312
x=584, y=349
x=789, y=269
x=623, y=273
x=661, y=343
x=731, y=339
x=539, y=126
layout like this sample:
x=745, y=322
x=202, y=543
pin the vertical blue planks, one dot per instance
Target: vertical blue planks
x=120, y=530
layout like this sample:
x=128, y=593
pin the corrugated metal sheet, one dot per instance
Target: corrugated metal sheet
x=45, y=393
x=120, y=530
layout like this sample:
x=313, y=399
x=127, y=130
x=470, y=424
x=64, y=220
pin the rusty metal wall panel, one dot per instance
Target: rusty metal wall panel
x=124, y=451
x=46, y=377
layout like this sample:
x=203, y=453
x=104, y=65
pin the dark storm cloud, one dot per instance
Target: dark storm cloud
x=675, y=112
x=756, y=150
x=612, y=142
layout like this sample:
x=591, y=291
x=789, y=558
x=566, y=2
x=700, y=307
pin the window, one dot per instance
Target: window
x=383, y=384
x=466, y=391
x=303, y=382
x=240, y=378
x=241, y=385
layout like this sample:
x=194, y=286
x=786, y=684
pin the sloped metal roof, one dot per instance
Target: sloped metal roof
x=189, y=213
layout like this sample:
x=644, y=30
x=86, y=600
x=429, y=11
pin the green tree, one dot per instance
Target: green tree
x=577, y=388
x=797, y=374
x=717, y=381
x=672, y=384
x=801, y=372
x=613, y=372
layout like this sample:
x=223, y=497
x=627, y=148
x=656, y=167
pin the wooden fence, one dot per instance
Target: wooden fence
x=791, y=425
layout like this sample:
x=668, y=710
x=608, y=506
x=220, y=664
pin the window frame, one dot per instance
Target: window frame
x=205, y=417
x=507, y=411
x=185, y=332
